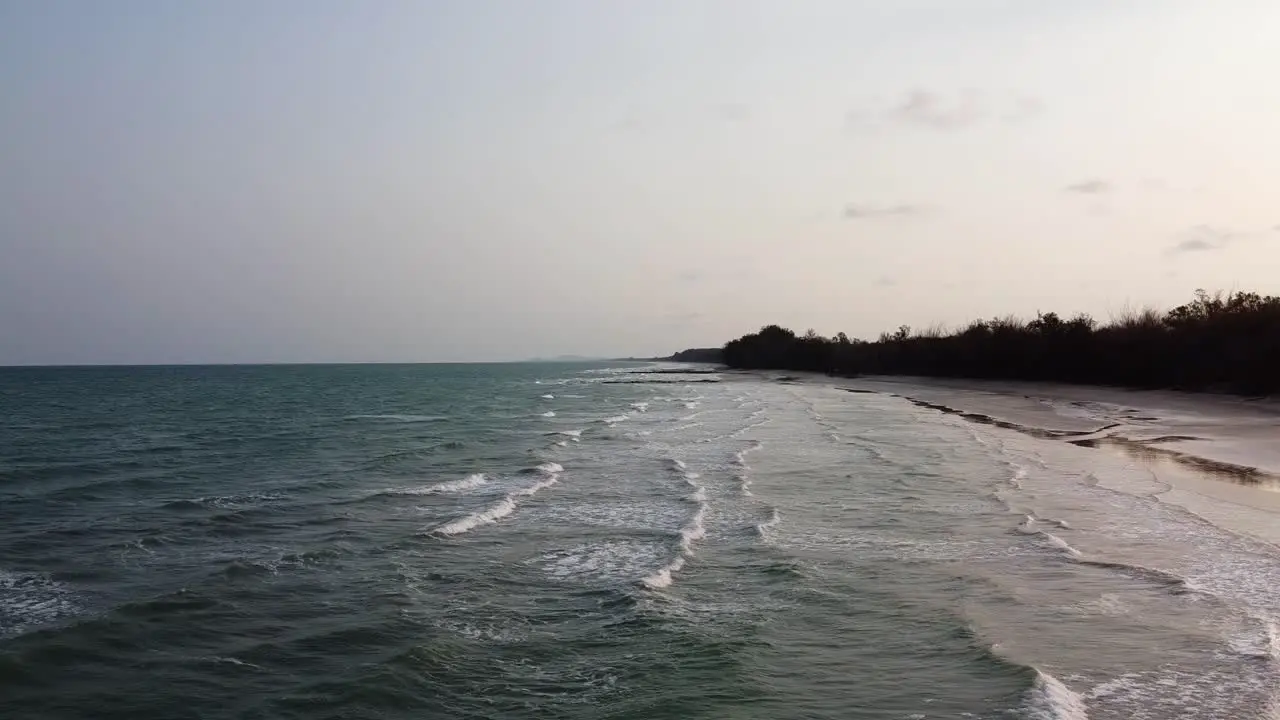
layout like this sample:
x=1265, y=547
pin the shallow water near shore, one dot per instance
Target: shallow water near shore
x=587, y=541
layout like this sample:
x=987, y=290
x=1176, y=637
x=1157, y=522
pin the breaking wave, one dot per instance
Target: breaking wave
x=1049, y=699
x=471, y=481
x=550, y=473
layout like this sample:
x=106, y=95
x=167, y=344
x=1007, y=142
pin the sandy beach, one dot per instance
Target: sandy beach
x=1217, y=456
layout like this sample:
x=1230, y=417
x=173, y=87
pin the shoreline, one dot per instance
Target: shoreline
x=1216, y=456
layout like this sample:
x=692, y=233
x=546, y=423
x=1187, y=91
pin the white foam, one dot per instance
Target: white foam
x=1061, y=544
x=640, y=406
x=503, y=507
x=678, y=464
x=29, y=600
x=1253, y=634
x=691, y=405
x=609, y=560
x=467, y=483
x=483, y=632
x=233, y=661
x=548, y=396
x=1028, y=527
x=614, y=420
x=661, y=578
x=774, y=518
x=528, y=491
x=699, y=496
x=491, y=514
x=549, y=413
x=694, y=529
x=1018, y=476
x=236, y=501
x=575, y=434
x=744, y=484
x=740, y=457
x=1049, y=699
x=561, y=443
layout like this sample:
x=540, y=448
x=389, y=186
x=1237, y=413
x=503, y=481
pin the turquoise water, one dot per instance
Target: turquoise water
x=588, y=541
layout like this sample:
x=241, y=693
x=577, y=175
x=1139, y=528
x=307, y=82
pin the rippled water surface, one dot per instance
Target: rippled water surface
x=579, y=541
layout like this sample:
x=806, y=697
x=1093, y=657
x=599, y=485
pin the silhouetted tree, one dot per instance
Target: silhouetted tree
x=1215, y=342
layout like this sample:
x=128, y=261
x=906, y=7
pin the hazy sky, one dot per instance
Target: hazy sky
x=235, y=181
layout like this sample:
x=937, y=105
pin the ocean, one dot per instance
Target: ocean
x=593, y=541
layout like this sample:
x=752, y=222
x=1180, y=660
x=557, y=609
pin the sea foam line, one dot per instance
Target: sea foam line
x=1049, y=699
x=1018, y=476
x=762, y=529
x=504, y=507
x=661, y=577
x=740, y=457
x=1176, y=583
x=1028, y=527
x=693, y=530
x=473, y=480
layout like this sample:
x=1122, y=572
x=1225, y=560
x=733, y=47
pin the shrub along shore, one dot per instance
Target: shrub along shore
x=1221, y=342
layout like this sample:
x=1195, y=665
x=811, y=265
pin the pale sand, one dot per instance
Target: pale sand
x=1219, y=455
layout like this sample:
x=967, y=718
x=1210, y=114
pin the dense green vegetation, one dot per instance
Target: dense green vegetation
x=1219, y=342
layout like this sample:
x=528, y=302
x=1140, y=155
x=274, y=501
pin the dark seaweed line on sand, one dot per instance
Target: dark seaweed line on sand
x=1141, y=449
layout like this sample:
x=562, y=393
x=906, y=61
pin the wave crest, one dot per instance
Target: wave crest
x=1049, y=699
x=473, y=480
x=502, y=508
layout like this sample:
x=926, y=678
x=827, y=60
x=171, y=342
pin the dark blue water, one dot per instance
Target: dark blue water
x=579, y=541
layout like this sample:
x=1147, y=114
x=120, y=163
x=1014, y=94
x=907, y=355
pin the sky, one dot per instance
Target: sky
x=341, y=181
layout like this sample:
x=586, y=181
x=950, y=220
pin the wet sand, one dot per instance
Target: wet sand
x=1214, y=455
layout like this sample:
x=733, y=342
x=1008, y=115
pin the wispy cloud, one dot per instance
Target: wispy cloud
x=855, y=211
x=1203, y=238
x=940, y=111
x=1090, y=187
x=1197, y=245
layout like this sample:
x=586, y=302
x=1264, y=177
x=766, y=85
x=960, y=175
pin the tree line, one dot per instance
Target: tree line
x=1220, y=342
x=698, y=355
